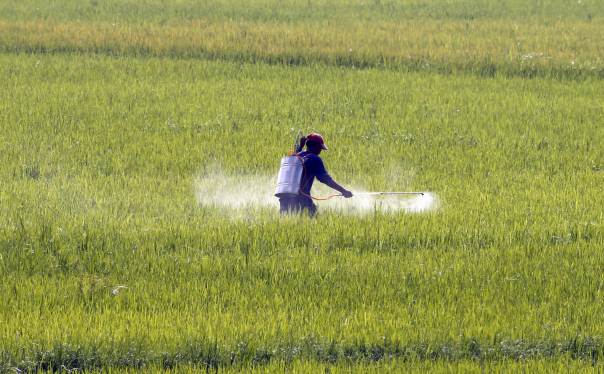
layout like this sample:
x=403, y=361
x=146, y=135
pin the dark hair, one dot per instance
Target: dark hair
x=312, y=144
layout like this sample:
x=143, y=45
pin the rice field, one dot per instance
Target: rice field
x=119, y=252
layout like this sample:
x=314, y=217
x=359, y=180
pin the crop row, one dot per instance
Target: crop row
x=558, y=49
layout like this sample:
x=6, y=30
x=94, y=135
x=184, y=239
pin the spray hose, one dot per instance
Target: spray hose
x=321, y=198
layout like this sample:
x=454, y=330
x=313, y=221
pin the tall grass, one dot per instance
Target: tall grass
x=112, y=112
x=557, y=49
x=158, y=11
x=559, y=39
x=97, y=190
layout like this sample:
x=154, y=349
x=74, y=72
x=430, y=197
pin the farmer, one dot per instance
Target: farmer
x=313, y=167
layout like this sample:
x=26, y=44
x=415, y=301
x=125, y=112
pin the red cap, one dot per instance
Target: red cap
x=316, y=138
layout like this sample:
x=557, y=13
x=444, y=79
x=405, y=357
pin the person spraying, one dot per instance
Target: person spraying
x=297, y=174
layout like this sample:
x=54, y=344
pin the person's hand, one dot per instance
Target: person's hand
x=347, y=194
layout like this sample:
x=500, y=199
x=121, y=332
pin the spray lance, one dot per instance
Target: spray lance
x=387, y=193
x=292, y=169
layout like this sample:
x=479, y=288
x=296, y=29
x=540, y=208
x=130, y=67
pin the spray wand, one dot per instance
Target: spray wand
x=386, y=193
x=380, y=193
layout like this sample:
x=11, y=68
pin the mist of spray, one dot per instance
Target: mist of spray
x=235, y=191
x=243, y=192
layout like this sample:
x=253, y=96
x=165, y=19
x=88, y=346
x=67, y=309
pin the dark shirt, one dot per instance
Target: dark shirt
x=313, y=167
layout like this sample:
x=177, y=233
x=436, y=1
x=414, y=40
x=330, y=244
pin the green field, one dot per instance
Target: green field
x=140, y=141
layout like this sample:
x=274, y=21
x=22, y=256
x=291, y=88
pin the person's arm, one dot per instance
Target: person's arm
x=328, y=180
x=316, y=164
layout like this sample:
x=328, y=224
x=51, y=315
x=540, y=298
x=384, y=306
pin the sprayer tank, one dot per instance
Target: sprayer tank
x=290, y=176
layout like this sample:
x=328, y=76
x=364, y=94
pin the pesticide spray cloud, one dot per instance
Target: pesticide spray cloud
x=235, y=192
x=247, y=192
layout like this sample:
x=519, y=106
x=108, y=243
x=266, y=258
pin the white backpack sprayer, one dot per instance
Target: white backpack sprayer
x=291, y=172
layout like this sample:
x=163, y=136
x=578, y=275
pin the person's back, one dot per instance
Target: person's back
x=313, y=167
